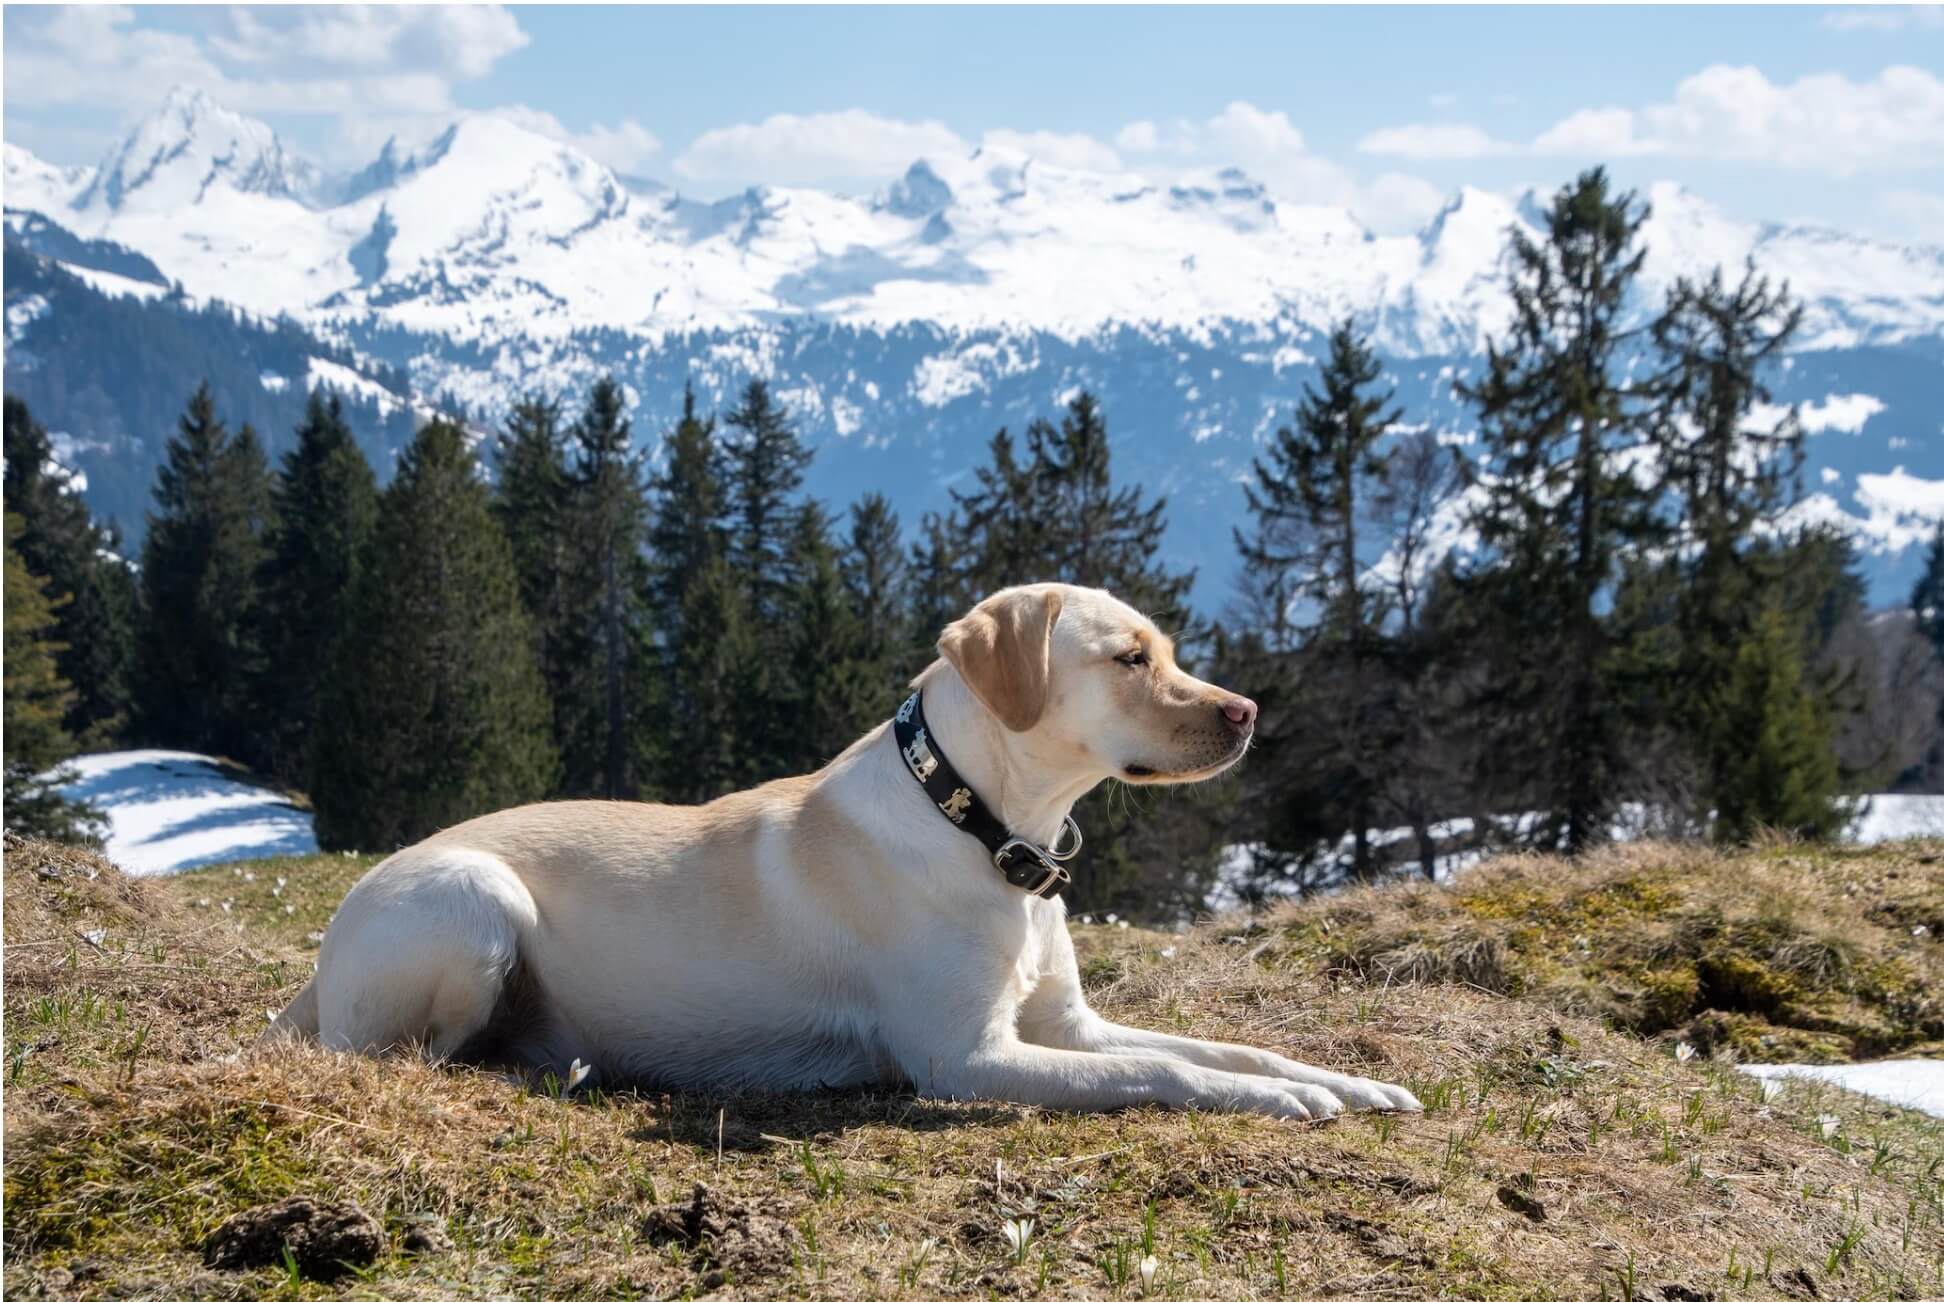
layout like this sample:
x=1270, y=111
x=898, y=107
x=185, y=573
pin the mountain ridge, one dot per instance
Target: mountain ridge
x=970, y=292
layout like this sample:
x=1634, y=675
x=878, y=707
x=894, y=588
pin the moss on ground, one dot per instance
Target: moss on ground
x=1562, y=1155
x=1770, y=954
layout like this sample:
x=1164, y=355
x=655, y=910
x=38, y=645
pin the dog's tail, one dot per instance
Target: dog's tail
x=296, y=1024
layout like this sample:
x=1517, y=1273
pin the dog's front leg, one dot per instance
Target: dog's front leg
x=1005, y=1067
x=1056, y=1014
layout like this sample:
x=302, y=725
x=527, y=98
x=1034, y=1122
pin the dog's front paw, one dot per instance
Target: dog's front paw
x=1363, y=1095
x=1318, y=1102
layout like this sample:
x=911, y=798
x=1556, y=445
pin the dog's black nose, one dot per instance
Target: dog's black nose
x=1240, y=713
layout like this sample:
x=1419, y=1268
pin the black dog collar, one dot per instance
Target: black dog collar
x=1037, y=870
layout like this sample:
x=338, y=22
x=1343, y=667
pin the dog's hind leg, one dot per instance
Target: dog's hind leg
x=296, y=1024
x=420, y=953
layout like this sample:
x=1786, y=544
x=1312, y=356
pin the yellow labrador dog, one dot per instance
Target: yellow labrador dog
x=891, y=918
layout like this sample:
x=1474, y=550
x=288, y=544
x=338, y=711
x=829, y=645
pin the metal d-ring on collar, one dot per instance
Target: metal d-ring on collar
x=1036, y=869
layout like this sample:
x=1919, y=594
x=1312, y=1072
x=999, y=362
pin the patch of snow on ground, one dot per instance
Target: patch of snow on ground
x=169, y=810
x=1893, y=818
x=1908, y=1082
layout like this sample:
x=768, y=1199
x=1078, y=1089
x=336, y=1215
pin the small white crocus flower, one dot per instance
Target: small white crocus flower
x=1019, y=1233
x=226, y=906
x=249, y=877
x=1148, y=1268
x=1113, y=917
x=95, y=937
x=1828, y=1124
x=1122, y=924
x=1169, y=952
x=289, y=909
x=1683, y=1051
x=282, y=882
x=202, y=902
x=577, y=1073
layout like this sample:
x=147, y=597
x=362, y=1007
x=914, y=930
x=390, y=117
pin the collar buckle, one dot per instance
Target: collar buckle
x=1031, y=868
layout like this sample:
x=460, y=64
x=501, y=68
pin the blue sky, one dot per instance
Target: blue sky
x=1833, y=116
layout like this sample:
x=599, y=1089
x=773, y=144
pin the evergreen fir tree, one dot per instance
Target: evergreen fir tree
x=197, y=655
x=875, y=578
x=434, y=711
x=326, y=505
x=604, y=709
x=831, y=696
x=1312, y=495
x=37, y=701
x=1102, y=536
x=92, y=588
x=1558, y=509
x=531, y=504
x=1000, y=533
x=766, y=461
x=1729, y=477
x=697, y=611
x=1783, y=775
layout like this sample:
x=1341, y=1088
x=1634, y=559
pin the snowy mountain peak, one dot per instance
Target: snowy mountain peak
x=172, y=157
x=917, y=194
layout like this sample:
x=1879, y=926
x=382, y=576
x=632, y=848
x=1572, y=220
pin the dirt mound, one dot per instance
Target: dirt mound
x=325, y=1240
x=728, y=1240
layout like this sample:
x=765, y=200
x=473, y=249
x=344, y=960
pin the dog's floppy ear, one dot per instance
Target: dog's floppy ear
x=1002, y=650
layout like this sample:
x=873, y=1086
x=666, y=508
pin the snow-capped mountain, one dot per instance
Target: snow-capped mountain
x=971, y=292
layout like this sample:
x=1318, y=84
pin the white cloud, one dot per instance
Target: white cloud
x=1884, y=18
x=455, y=41
x=356, y=65
x=1246, y=132
x=626, y=147
x=1076, y=150
x=1823, y=122
x=1433, y=140
x=809, y=149
x=1603, y=132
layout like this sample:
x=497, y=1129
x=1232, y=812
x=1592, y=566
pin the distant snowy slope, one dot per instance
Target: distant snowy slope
x=169, y=810
x=902, y=328
x=493, y=232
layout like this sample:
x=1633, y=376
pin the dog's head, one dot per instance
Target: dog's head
x=1088, y=677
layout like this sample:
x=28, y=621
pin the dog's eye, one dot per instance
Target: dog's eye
x=1134, y=658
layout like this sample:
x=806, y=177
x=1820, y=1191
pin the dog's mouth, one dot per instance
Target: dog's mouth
x=1147, y=775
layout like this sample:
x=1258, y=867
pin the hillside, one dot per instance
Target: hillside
x=1558, y=1158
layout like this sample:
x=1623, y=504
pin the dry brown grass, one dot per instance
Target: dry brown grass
x=130, y=1137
